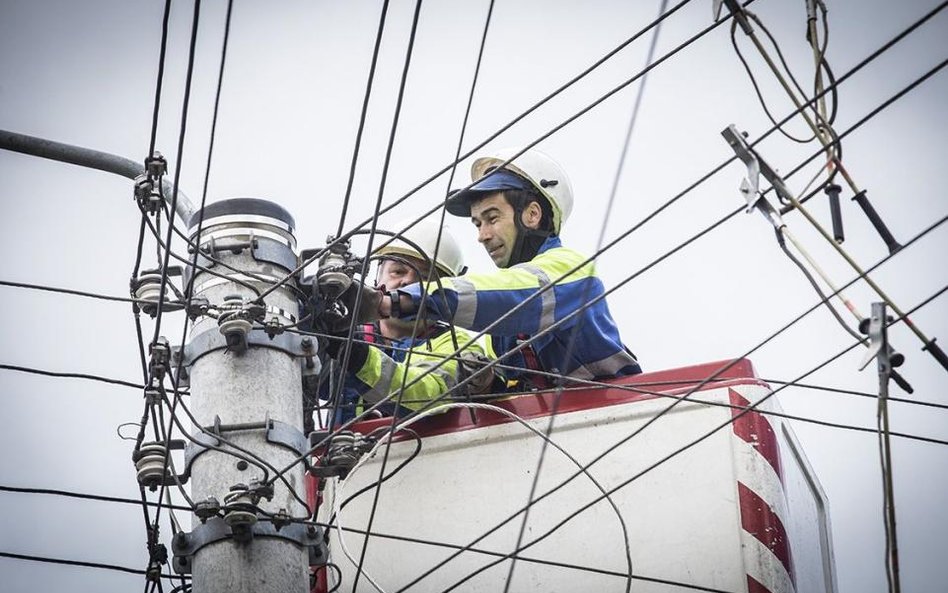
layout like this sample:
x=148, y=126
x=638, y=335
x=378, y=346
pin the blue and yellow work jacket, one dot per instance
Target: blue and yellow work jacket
x=475, y=301
x=379, y=371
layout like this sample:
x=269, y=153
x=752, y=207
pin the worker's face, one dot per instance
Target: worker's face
x=496, y=230
x=394, y=274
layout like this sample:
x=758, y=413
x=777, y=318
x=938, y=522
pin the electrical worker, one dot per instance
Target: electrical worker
x=519, y=209
x=395, y=352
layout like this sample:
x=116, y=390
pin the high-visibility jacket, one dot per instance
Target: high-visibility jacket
x=381, y=372
x=475, y=301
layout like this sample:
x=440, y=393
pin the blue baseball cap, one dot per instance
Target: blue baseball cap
x=459, y=201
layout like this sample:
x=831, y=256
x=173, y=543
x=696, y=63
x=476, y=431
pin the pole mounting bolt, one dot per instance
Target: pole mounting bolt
x=207, y=508
x=234, y=323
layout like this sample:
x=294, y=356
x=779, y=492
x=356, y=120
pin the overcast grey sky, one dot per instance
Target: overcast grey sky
x=84, y=73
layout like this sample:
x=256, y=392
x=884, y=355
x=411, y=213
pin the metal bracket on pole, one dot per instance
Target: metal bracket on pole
x=278, y=433
x=185, y=545
x=212, y=339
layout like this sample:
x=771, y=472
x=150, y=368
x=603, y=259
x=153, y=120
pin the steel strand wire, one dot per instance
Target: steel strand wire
x=480, y=145
x=693, y=390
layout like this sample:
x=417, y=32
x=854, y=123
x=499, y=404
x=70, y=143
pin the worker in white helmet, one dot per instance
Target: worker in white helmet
x=395, y=352
x=518, y=209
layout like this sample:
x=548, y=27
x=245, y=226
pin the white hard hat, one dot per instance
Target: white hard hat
x=543, y=173
x=424, y=234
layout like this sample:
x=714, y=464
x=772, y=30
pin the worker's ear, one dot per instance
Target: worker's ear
x=532, y=215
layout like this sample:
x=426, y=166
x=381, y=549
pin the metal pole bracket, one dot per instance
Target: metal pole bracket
x=186, y=545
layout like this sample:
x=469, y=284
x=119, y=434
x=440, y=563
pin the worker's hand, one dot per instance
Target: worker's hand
x=368, y=303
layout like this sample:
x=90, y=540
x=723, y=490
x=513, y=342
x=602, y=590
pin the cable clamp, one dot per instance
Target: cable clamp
x=156, y=165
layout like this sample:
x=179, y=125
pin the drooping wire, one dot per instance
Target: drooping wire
x=753, y=79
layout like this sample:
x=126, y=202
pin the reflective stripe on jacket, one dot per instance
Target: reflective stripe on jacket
x=384, y=372
x=474, y=301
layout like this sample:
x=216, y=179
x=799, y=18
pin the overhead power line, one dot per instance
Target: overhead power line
x=88, y=496
x=64, y=561
x=22, y=369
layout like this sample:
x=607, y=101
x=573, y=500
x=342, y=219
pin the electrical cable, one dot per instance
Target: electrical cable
x=46, y=559
x=160, y=77
x=753, y=80
x=432, y=274
x=532, y=560
x=901, y=400
x=685, y=44
x=194, y=265
x=370, y=221
x=395, y=471
x=71, y=291
x=23, y=369
x=362, y=117
x=87, y=496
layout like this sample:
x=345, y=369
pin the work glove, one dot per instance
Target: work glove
x=338, y=319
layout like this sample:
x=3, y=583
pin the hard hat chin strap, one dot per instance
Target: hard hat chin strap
x=528, y=240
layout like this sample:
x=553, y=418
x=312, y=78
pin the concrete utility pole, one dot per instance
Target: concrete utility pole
x=246, y=387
